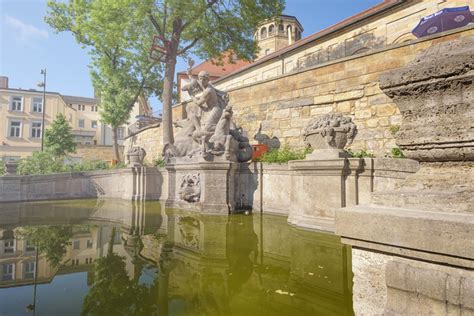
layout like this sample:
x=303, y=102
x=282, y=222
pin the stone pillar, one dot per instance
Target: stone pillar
x=419, y=232
x=204, y=186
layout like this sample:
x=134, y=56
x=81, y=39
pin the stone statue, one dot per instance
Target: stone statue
x=208, y=132
x=190, y=188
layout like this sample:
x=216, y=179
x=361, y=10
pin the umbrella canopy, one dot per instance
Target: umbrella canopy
x=446, y=19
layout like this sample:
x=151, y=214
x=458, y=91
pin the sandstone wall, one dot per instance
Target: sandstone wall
x=286, y=103
x=96, y=152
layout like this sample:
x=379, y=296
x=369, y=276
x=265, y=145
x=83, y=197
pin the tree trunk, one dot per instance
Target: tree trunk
x=115, y=144
x=167, y=98
x=167, y=95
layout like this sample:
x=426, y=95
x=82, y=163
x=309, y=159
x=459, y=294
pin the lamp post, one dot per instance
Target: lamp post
x=43, y=84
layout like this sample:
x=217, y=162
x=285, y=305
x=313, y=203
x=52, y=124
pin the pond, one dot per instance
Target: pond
x=112, y=257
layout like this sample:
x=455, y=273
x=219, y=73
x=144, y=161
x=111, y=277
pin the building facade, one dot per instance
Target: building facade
x=21, y=113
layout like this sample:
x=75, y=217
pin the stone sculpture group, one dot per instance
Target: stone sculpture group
x=208, y=132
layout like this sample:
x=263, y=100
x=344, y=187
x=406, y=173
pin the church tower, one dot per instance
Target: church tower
x=276, y=33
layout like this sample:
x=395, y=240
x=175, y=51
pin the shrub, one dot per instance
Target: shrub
x=89, y=165
x=360, y=154
x=45, y=163
x=396, y=153
x=3, y=168
x=159, y=162
x=394, y=129
x=40, y=162
x=283, y=155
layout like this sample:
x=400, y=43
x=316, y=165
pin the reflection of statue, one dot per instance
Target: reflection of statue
x=208, y=130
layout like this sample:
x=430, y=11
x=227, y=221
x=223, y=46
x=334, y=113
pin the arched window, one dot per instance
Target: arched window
x=281, y=28
x=271, y=28
x=263, y=32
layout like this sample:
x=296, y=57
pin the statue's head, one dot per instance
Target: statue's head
x=203, y=78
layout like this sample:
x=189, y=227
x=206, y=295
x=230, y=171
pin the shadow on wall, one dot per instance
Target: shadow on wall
x=247, y=181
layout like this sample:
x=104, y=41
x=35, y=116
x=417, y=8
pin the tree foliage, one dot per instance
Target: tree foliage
x=58, y=139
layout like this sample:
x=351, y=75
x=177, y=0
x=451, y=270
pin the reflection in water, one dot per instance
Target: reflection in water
x=119, y=258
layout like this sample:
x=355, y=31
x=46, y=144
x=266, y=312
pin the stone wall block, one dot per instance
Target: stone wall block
x=321, y=110
x=323, y=99
x=344, y=107
x=350, y=95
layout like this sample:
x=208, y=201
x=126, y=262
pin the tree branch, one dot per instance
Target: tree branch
x=188, y=47
x=210, y=3
x=155, y=24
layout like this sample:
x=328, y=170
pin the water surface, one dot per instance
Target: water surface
x=110, y=257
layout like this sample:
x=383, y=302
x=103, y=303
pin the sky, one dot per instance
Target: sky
x=28, y=44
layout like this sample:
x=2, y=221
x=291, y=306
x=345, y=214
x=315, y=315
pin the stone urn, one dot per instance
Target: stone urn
x=135, y=155
x=328, y=135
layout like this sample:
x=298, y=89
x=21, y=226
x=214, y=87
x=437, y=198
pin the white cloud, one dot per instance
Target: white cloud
x=25, y=31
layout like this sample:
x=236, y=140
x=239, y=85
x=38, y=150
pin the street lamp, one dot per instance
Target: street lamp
x=43, y=84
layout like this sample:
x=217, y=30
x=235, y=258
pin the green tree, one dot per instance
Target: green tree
x=121, y=69
x=58, y=139
x=204, y=27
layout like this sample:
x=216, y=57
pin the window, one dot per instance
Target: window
x=263, y=32
x=35, y=129
x=81, y=123
x=281, y=27
x=16, y=103
x=30, y=270
x=89, y=243
x=120, y=133
x=271, y=29
x=37, y=105
x=267, y=51
x=77, y=244
x=9, y=246
x=8, y=271
x=94, y=124
x=29, y=246
x=15, y=129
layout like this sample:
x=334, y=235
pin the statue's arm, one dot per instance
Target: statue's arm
x=202, y=100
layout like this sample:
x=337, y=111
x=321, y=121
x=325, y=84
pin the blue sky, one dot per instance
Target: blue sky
x=28, y=44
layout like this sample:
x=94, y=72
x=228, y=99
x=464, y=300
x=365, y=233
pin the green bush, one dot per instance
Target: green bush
x=40, y=162
x=45, y=163
x=396, y=153
x=283, y=155
x=88, y=166
x=394, y=129
x=360, y=154
x=159, y=162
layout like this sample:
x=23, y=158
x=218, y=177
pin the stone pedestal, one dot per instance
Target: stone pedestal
x=319, y=187
x=204, y=186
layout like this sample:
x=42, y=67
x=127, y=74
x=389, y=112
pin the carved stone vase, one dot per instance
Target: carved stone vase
x=328, y=135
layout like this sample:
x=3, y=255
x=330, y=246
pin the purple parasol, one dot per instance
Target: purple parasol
x=446, y=19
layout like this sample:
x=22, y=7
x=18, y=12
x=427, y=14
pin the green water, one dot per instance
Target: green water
x=119, y=258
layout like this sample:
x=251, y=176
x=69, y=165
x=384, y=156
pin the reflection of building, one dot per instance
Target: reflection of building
x=21, y=113
x=17, y=262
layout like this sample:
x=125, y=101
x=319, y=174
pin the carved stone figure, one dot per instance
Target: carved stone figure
x=135, y=156
x=331, y=131
x=190, y=188
x=208, y=132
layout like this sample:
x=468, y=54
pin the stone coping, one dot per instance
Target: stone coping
x=445, y=238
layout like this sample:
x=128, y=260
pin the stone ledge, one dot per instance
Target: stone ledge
x=432, y=236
